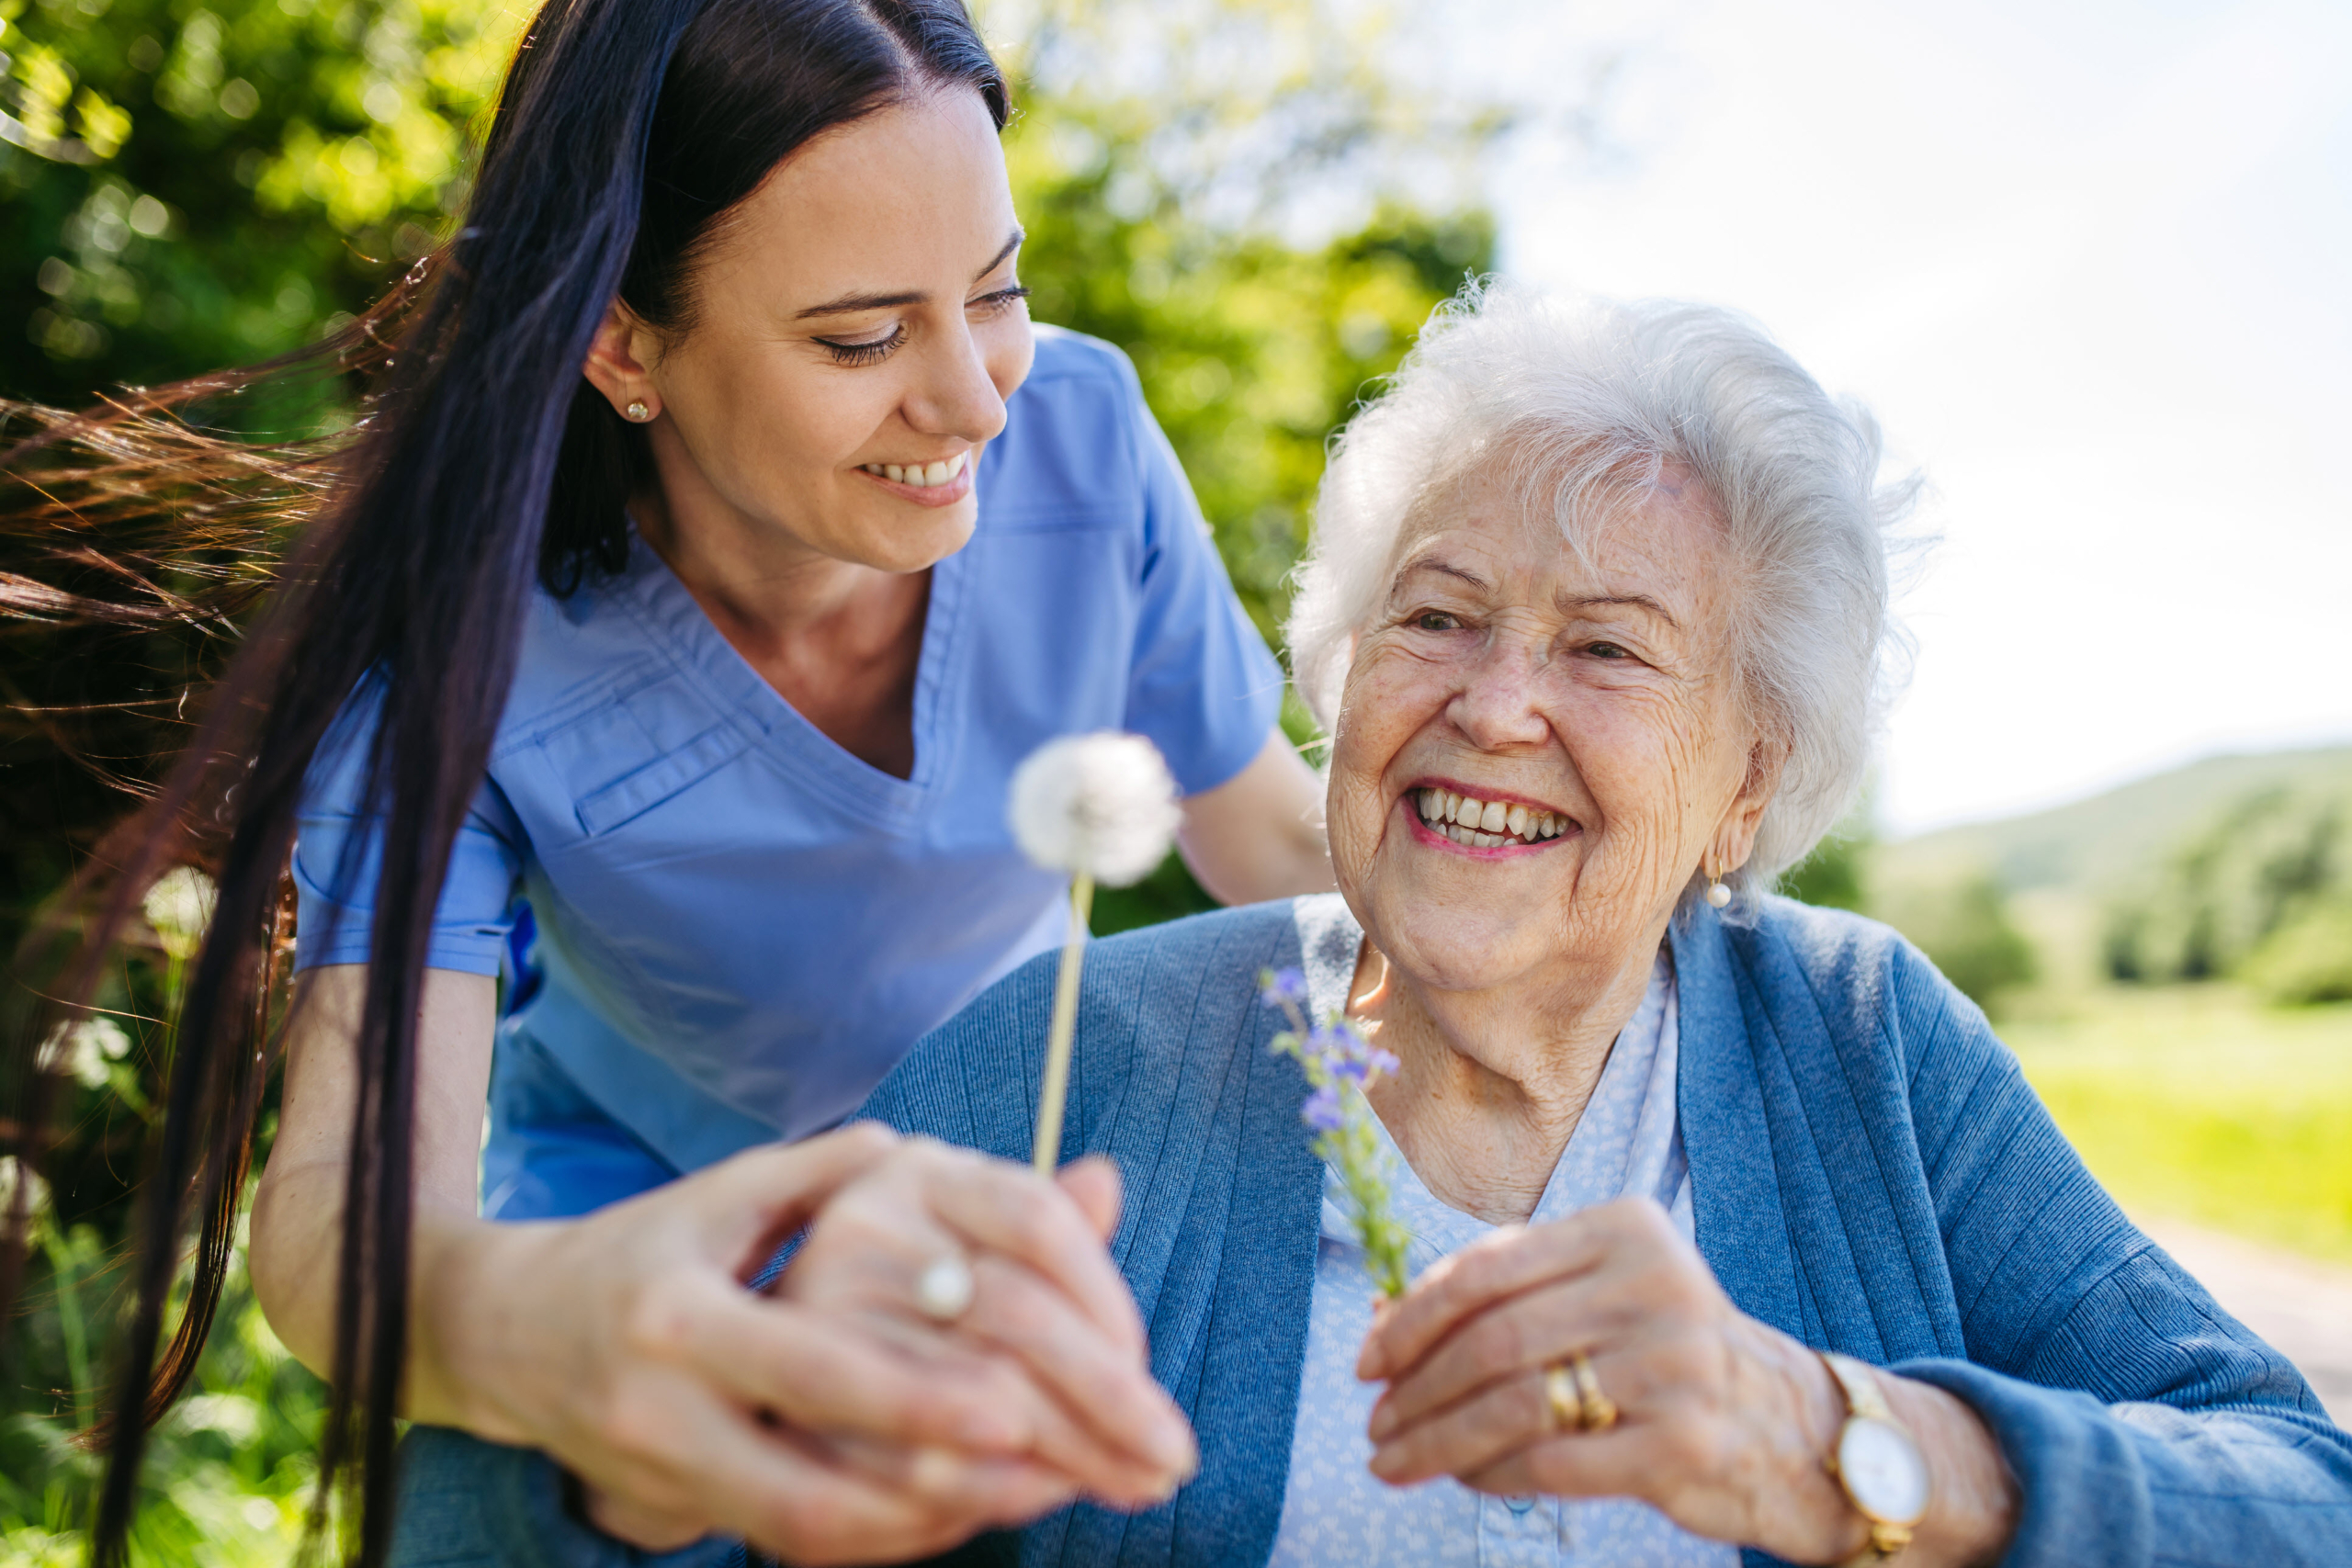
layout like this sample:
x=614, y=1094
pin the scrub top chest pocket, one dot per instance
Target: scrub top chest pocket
x=639, y=750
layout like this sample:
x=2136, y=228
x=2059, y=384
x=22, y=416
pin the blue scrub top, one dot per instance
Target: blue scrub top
x=739, y=927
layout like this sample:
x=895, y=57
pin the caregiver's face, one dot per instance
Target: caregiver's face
x=858, y=327
x=1584, y=712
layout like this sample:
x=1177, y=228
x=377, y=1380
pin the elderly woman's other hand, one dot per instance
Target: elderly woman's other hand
x=1723, y=1423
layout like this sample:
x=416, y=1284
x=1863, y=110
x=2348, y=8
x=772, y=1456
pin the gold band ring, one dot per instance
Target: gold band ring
x=1598, y=1411
x=1560, y=1399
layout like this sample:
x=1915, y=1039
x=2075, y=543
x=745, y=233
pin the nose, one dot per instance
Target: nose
x=953, y=393
x=1498, y=705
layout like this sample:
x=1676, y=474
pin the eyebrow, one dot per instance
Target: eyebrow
x=847, y=303
x=1566, y=602
x=1639, y=601
x=1431, y=563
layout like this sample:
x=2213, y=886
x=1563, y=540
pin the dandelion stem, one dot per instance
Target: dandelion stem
x=1047, y=1149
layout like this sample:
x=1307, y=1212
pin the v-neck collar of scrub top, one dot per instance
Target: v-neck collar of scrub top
x=675, y=623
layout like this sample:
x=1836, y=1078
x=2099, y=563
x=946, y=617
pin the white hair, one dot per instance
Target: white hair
x=1582, y=403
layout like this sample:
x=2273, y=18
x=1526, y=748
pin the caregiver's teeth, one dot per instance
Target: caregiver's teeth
x=922, y=475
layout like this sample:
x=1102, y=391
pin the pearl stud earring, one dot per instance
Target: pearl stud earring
x=639, y=411
x=1717, y=894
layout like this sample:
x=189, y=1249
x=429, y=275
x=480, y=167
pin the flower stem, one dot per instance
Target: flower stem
x=1047, y=1150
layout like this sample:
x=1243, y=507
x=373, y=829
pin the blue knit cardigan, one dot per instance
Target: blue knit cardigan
x=1869, y=1172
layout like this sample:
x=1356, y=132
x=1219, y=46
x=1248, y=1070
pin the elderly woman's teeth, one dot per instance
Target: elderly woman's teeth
x=922, y=475
x=1485, y=824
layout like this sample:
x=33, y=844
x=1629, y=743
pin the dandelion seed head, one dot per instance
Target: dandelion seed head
x=1101, y=804
x=180, y=907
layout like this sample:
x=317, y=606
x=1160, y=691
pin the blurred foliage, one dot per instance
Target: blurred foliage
x=229, y=1474
x=1967, y=931
x=228, y=1478
x=1963, y=924
x=2261, y=889
x=187, y=187
x=192, y=186
x=1834, y=875
x=1250, y=350
x=2308, y=957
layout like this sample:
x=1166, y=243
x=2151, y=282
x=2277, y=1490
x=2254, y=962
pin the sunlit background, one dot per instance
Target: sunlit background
x=2087, y=262
x=2092, y=266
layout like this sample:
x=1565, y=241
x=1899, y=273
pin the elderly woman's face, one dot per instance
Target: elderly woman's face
x=1589, y=706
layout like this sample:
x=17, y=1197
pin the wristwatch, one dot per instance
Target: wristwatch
x=1876, y=1462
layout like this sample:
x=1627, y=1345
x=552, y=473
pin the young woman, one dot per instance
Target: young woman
x=720, y=538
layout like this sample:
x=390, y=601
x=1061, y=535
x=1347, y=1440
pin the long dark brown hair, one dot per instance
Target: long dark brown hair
x=400, y=555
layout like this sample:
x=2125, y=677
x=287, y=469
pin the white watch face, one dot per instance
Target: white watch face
x=1883, y=1471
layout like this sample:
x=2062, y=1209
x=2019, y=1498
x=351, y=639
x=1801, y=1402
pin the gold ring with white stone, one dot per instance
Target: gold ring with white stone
x=943, y=1291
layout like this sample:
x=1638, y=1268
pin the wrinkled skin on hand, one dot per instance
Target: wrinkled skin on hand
x=1722, y=1421
x=891, y=1436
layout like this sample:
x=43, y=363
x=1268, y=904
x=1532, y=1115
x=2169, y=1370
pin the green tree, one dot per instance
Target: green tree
x=1965, y=930
x=2309, y=957
x=191, y=186
x=2261, y=865
x=1835, y=874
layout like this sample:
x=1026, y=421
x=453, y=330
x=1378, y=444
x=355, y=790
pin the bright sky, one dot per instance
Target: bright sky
x=2092, y=266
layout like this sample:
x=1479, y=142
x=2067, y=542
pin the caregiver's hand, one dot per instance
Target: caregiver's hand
x=1723, y=1422
x=625, y=1345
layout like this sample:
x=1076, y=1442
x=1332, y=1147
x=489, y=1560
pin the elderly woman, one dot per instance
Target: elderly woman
x=1733, y=1224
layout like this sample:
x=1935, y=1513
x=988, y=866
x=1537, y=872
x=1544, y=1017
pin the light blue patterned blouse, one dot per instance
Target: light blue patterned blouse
x=1334, y=1511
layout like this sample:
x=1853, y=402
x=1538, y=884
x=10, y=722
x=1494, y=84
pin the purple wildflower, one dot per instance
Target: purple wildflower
x=1280, y=987
x=1322, y=1110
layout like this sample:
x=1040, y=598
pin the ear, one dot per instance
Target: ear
x=1734, y=840
x=623, y=361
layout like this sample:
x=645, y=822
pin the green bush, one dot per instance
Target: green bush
x=2227, y=890
x=1965, y=930
x=2308, y=958
x=1834, y=875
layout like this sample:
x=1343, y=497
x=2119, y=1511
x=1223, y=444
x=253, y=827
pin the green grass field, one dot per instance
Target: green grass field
x=2198, y=1103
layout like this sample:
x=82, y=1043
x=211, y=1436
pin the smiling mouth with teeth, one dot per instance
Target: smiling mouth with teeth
x=1486, y=824
x=922, y=475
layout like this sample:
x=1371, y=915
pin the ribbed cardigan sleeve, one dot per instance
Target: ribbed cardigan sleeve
x=2191, y=1441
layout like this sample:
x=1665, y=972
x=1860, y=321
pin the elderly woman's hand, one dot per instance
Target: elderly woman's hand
x=1046, y=1324
x=1723, y=1423
x=830, y=1422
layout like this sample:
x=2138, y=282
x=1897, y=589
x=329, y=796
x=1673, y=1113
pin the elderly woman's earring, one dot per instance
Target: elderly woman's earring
x=1717, y=894
x=639, y=411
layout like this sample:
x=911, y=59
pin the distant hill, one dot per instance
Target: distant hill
x=2111, y=838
